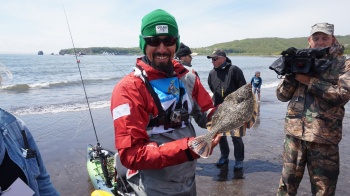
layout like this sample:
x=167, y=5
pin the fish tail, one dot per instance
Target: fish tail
x=201, y=146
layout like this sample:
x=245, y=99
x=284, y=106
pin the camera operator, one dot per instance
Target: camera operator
x=313, y=122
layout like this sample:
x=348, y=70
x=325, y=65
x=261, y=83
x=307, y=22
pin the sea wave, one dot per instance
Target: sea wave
x=270, y=84
x=40, y=85
x=15, y=87
x=59, y=108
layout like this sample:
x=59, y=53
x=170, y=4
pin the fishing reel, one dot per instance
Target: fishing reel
x=97, y=151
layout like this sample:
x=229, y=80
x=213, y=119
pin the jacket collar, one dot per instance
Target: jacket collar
x=144, y=63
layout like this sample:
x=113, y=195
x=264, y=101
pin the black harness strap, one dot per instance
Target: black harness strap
x=25, y=140
x=30, y=152
x=154, y=94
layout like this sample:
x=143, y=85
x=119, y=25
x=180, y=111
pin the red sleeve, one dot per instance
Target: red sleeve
x=131, y=105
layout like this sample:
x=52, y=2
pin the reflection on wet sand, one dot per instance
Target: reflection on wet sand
x=223, y=174
x=238, y=174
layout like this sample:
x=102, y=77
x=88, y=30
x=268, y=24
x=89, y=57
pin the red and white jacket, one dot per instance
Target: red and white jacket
x=131, y=107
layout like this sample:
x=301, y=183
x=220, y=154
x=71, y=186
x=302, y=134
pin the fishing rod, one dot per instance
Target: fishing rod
x=115, y=65
x=98, y=148
x=6, y=71
x=81, y=77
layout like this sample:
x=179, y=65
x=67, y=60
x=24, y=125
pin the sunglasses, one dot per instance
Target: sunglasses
x=215, y=59
x=155, y=40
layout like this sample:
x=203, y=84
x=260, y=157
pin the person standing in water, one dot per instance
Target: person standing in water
x=256, y=82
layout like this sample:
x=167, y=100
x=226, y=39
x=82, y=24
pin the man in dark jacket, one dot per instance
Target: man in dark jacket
x=224, y=79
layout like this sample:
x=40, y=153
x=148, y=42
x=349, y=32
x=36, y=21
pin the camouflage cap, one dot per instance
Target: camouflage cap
x=322, y=27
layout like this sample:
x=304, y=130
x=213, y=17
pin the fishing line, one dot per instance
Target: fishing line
x=115, y=65
x=81, y=77
x=5, y=70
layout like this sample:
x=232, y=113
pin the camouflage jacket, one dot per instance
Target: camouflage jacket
x=315, y=112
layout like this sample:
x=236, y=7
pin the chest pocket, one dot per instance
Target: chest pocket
x=171, y=89
x=31, y=157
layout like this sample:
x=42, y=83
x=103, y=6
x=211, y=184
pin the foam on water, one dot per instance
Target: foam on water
x=52, y=84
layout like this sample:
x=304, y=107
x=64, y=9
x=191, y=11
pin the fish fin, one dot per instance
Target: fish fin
x=252, y=120
x=200, y=146
x=239, y=132
x=208, y=125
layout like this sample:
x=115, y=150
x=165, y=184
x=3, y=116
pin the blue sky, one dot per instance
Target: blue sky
x=29, y=26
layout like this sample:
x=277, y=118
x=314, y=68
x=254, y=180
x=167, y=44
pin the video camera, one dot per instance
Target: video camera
x=305, y=61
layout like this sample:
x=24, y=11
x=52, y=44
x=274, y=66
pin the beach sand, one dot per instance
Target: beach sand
x=63, y=137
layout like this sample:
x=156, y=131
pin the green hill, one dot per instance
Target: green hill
x=102, y=50
x=265, y=46
x=250, y=46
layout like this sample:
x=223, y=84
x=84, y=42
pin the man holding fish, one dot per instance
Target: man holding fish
x=150, y=109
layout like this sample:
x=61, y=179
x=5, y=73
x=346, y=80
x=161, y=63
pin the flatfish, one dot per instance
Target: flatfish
x=239, y=110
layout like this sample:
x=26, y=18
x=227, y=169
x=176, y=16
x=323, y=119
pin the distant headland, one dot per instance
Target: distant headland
x=248, y=47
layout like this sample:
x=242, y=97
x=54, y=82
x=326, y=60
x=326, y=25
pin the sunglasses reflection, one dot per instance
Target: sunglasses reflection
x=216, y=58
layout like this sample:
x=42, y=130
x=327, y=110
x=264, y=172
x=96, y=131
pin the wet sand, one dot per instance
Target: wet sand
x=63, y=137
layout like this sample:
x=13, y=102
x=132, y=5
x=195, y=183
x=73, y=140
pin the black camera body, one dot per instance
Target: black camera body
x=301, y=65
x=179, y=115
x=303, y=61
x=173, y=119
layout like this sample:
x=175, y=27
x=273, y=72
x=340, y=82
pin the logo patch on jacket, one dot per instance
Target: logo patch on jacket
x=172, y=89
x=168, y=90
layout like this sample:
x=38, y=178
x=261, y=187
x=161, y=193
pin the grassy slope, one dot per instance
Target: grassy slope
x=256, y=46
x=265, y=46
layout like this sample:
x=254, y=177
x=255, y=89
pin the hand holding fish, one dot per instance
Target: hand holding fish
x=214, y=143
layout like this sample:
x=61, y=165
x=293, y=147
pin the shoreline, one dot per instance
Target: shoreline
x=62, y=139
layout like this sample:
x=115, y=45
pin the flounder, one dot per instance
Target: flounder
x=238, y=111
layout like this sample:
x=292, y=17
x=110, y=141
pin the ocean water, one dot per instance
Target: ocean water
x=52, y=84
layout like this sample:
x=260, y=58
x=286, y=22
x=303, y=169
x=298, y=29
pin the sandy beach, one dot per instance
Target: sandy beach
x=63, y=137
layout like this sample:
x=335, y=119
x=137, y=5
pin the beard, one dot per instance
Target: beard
x=167, y=67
